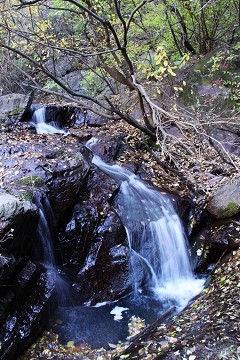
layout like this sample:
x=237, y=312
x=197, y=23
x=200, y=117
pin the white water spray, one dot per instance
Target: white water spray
x=43, y=127
x=159, y=252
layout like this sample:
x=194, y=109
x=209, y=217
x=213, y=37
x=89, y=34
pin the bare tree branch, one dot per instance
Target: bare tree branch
x=57, y=81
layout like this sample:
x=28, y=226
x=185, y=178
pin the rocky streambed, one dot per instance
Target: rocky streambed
x=90, y=243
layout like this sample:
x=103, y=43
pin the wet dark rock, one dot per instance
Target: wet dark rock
x=104, y=274
x=225, y=234
x=109, y=148
x=65, y=116
x=87, y=244
x=6, y=300
x=65, y=185
x=36, y=174
x=24, y=324
x=111, y=273
x=62, y=115
x=9, y=347
x=26, y=275
x=75, y=240
x=91, y=206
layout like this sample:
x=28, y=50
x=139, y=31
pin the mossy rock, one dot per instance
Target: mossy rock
x=225, y=202
x=11, y=206
x=231, y=209
x=32, y=180
x=26, y=196
x=15, y=111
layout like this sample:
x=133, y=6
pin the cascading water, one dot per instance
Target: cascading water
x=62, y=288
x=160, y=266
x=43, y=127
x=159, y=252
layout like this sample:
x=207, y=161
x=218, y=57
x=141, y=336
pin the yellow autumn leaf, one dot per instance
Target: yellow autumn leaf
x=159, y=58
x=161, y=69
x=70, y=343
x=165, y=63
x=171, y=72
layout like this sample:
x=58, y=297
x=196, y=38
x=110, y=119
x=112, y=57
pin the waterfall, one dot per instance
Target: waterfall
x=43, y=127
x=48, y=258
x=62, y=288
x=159, y=252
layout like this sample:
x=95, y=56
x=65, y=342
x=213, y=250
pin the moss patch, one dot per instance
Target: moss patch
x=31, y=180
x=231, y=209
x=26, y=196
x=15, y=111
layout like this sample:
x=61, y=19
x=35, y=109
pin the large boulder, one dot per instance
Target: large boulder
x=14, y=105
x=12, y=207
x=18, y=220
x=225, y=202
x=39, y=172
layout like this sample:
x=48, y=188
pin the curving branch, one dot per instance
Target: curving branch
x=119, y=13
x=137, y=8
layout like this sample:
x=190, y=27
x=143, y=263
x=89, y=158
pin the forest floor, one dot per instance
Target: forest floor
x=209, y=328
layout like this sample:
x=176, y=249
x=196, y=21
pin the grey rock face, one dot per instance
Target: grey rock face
x=226, y=201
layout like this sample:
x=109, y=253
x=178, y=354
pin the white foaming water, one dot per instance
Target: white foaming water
x=62, y=288
x=91, y=142
x=41, y=126
x=117, y=312
x=159, y=251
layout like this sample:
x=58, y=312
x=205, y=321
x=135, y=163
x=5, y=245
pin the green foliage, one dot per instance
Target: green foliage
x=151, y=40
x=206, y=23
x=223, y=73
x=51, y=85
x=92, y=82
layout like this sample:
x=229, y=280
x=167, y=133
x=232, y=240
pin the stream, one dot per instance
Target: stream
x=160, y=265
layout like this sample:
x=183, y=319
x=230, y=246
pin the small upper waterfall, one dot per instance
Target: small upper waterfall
x=159, y=252
x=43, y=127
